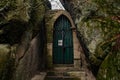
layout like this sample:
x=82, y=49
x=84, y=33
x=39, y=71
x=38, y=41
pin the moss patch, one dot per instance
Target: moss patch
x=6, y=63
x=49, y=62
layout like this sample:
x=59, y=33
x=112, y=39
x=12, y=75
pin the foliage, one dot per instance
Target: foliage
x=109, y=21
x=7, y=4
x=109, y=69
x=111, y=7
x=99, y=24
x=6, y=67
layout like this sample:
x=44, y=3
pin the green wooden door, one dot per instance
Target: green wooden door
x=62, y=42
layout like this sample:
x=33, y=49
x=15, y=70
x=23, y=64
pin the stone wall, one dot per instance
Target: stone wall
x=21, y=38
x=32, y=62
x=98, y=32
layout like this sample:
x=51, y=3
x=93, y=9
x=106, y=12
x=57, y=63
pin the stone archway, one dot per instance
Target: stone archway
x=50, y=18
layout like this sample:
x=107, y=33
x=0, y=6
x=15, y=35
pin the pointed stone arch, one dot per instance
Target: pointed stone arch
x=50, y=19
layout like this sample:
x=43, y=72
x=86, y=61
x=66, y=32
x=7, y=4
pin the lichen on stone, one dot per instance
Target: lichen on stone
x=6, y=62
x=99, y=30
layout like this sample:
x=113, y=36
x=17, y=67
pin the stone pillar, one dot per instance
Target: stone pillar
x=76, y=46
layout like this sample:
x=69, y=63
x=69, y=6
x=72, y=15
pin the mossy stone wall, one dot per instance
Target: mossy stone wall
x=99, y=32
x=21, y=25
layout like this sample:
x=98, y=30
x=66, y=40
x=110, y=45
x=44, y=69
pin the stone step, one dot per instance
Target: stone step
x=80, y=75
x=60, y=78
x=66, y=73
x=57, y=73
x=40, y=76
x=65, y=68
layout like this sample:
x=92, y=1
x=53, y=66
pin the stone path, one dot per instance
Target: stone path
x=65, y=73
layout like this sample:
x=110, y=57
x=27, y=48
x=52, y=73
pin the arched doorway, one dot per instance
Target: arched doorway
x=54, y=21
x=62, y=41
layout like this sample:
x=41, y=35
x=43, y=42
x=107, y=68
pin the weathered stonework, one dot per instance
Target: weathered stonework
x=99, y=30
x=50, y=19
x=21, y=24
